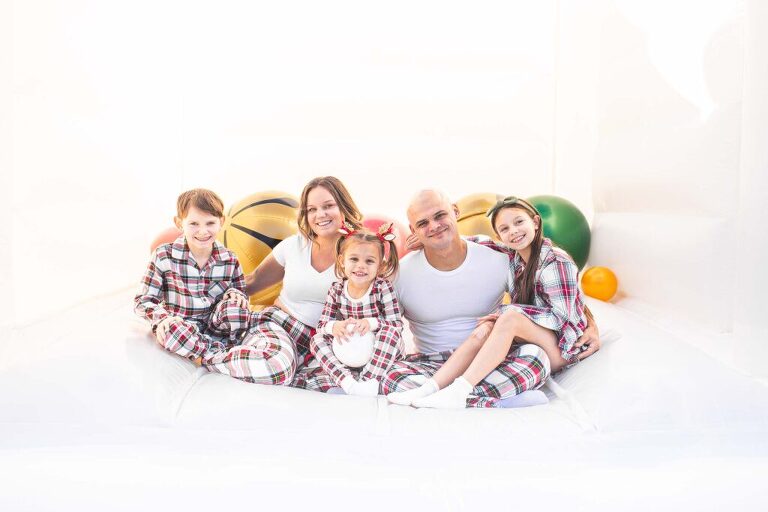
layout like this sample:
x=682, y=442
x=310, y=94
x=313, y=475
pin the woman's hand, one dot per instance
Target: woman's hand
x=412, y=243
x=162, y=328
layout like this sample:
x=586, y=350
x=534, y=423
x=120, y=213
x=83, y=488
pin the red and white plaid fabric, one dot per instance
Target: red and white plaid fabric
x=382, y=304
x=525, y=367
x=270, y=351
x=174, y=284
x=558, y=303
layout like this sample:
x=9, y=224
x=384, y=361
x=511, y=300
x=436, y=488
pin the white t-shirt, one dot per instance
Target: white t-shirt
x=442, y=307
x=304, y=288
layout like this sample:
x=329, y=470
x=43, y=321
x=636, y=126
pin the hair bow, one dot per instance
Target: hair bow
x=345, y=231
x=385, y=233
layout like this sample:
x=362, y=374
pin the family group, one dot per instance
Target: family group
x=340, y=280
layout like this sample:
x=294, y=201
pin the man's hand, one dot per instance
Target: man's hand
x=162, y=328
x=488, y=318
x=589, y=342
x=483, y=330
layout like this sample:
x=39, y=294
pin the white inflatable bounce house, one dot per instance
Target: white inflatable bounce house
x=650, y=116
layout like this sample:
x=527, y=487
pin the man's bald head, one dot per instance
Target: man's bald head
x=425, y=197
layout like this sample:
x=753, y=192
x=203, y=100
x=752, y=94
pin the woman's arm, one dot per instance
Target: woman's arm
x=269, y=272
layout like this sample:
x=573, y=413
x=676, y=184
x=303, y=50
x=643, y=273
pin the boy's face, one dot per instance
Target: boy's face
x=200, y=228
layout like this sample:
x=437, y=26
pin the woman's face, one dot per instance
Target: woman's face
x=323, y=214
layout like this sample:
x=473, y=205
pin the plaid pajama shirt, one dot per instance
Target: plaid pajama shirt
x=175, y=285
x=525, y=367
x=380, y=304
x=558, y=303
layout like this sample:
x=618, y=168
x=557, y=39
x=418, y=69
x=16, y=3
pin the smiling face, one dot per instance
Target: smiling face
x=361, y=262
x=433, y=219
x=516, y=228
x=200, y=229
x=323, y=215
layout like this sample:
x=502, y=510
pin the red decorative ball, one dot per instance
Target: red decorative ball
x=374, y=221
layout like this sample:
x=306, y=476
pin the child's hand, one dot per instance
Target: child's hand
x=412, y=243
x=163, y=326
x=361, y=325
x=238, y=298
x=340, y=331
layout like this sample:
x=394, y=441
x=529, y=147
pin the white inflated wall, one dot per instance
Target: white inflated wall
x=650, y=116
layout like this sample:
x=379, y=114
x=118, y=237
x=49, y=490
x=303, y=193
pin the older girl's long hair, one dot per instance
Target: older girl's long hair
x=525, y=284
x=350, y=214
x=387, y=251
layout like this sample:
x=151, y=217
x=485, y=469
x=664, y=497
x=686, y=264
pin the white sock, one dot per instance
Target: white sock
x=347, y=383
x=365, y=388
x=407, y=397
x=453, y=396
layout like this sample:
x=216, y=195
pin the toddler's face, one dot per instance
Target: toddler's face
x=361, y=263
x=516, y=228
x=200, y=228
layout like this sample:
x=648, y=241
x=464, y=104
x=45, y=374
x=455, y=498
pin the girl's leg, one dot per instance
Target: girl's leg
x=509, y=326
x=493, y=352
x=388, y=347
x=412, y=372
x=525, y=369
x=455, y=365
x=314, y=379
x=321, y=346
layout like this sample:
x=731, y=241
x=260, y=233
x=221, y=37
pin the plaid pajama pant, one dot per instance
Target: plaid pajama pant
x=272, y=347
x=526, y=367
x=388, y=347
x=192, y=338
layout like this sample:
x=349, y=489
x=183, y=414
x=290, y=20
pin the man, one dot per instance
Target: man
x=443, y=290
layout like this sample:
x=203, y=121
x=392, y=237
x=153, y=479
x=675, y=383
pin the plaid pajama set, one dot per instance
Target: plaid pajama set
x=558, y=303
x=381, y=305
x=174, y=285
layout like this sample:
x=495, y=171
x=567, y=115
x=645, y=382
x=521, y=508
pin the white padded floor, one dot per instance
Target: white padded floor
x=96, y=416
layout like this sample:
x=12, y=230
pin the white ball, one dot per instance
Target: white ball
x=355, y=352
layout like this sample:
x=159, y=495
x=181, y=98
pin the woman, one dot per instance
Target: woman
x=278, y=342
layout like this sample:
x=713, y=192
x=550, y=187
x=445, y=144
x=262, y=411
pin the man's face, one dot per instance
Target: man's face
x=433, y=220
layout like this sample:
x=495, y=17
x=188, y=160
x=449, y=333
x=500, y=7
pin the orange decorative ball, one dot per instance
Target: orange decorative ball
x=166, y=236
x=600, y=283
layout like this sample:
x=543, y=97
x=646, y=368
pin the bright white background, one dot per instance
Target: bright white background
x=648, y=115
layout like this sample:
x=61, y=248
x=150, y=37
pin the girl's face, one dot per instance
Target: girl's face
x=323, y=214
x=361, y=263
x=516, y=228
x=200, y=228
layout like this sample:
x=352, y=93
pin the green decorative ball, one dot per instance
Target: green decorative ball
x=565, y=225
